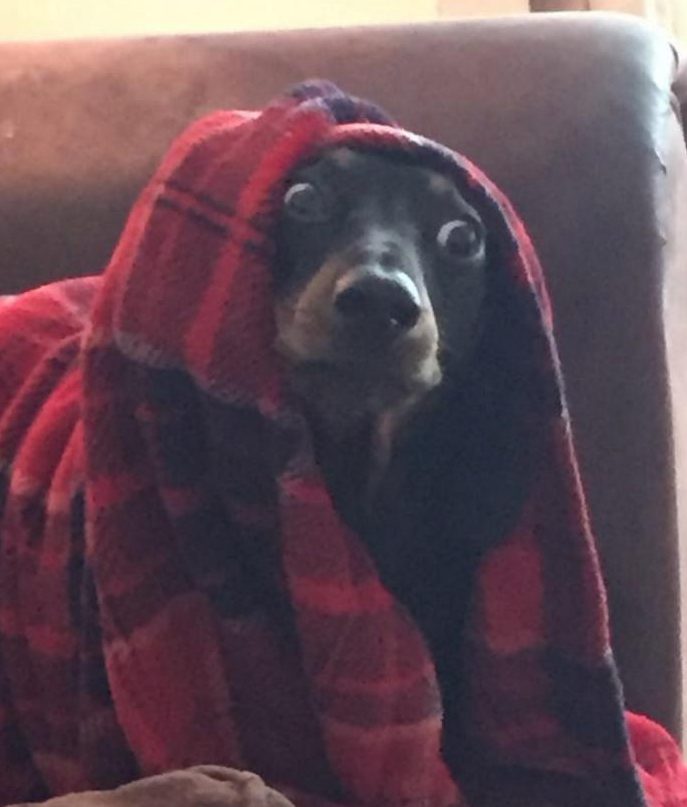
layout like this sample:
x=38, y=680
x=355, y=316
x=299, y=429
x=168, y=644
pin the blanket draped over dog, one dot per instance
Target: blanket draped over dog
x=176, y=586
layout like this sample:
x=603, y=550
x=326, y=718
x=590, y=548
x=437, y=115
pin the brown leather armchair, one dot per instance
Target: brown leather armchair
x=577, y=117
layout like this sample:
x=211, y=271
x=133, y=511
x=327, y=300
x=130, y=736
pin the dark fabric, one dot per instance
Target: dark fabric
x=175, y=584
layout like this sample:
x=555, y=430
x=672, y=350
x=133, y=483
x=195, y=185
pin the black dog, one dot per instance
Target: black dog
x=381, y=272
x=387, y=314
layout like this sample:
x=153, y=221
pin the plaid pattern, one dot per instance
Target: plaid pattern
x=175, y=584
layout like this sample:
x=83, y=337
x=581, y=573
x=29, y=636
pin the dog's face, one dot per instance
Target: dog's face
x=380, y=272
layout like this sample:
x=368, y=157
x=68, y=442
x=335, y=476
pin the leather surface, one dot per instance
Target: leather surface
x=573, y=115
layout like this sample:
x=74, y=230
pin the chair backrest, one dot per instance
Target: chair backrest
x=570, y=114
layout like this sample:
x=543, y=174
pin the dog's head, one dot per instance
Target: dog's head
x=380, y=275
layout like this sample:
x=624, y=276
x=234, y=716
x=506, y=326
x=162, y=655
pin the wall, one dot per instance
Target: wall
x=49, y=19
x=671, y=14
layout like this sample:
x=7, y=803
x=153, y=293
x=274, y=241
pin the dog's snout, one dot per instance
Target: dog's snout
x=387, y=255
x=388, y=303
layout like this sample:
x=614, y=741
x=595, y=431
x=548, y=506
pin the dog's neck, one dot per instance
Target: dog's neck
x=354, y=451
x=387, y=426
x=354, y=432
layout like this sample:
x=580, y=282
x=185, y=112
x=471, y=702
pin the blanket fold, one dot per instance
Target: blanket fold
x=176, y=586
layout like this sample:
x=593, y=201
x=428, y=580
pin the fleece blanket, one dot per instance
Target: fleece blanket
x=176, y=586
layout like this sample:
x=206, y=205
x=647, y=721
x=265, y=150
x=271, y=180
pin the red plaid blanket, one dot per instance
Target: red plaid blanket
x=175, y=584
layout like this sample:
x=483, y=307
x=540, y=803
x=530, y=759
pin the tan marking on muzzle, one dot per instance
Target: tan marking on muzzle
x=306, y=325
x=305, y=320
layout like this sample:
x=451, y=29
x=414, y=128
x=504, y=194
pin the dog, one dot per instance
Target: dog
x=383, y=294
x=381, y=275
x=381, y=291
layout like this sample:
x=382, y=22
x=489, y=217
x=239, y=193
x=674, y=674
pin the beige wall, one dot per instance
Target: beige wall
x=49, y=19
x=671, y=14
x=481, y=8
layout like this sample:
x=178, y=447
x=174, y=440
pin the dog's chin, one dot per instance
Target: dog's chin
x=343, y=395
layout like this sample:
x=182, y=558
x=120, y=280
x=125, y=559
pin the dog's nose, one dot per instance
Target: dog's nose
x=386, y=302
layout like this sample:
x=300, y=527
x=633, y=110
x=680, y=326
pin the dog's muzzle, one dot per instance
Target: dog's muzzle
x=373, y=302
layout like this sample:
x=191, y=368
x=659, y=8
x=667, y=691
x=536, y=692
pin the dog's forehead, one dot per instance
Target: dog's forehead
x=343, y=157
x=351, y=160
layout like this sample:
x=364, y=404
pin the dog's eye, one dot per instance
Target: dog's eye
x=305, y=202
x=461, y=238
